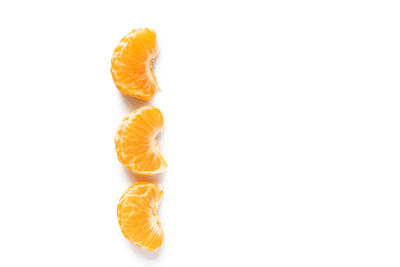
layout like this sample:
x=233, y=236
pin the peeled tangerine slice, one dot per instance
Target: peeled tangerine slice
x=137, y=215
x=132, y=64
x=135, y=141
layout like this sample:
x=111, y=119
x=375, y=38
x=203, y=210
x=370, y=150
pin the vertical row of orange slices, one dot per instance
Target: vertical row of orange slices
x=135, y=140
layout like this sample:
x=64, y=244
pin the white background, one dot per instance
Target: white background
x=282, y=133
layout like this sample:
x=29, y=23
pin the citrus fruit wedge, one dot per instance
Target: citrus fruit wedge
x=135, y=141
x=132, y=64
x=137, y=215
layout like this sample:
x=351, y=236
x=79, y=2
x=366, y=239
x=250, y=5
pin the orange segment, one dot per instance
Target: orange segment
x=135, y=141
x=137, y=215
x=132, y=64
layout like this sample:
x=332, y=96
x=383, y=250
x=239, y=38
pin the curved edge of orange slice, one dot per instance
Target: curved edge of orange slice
x=137, y=213
x=135, y=141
